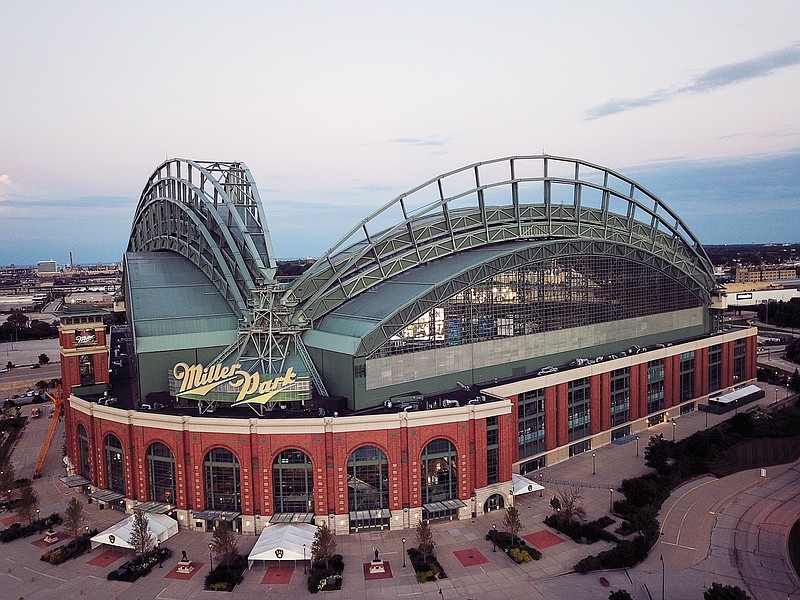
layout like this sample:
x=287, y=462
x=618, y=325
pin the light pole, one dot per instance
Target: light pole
x=706, y=417
x=158, y=552
x=494, y=533
x=211, y=556
x=673, y=430
x=594, y=470
x=404, y=552
x=512, y=497
x=87, y=538
x=662, y=576
x=37, y=515
x=305, y=569
x=541, y=483
x=610, y=499
x=776, y=395
x=637, y=446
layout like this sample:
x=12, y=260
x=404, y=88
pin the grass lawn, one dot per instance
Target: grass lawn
x=752, y=453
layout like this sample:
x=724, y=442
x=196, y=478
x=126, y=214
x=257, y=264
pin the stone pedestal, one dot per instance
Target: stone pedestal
x=185, y=566
x=376, y=566
x=50, y=537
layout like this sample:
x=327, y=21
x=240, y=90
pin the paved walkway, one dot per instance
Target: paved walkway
x=731, y=530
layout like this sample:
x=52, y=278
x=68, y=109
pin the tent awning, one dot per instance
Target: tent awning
x=216, y=515
x=161, y=528
x=523, y=485
x=292, y=518
x=283, y=541
x=74, y=481
x=443, y=506
x=161, y=508
x=106, y=496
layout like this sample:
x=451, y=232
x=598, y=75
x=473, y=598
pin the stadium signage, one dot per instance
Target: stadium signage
x=85, y=338
x=746, y=296
x=197, y=380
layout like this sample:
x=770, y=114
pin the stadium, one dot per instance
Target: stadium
x=492, y=321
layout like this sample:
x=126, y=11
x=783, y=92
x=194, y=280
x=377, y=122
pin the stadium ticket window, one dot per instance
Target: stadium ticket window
x=293, y=482
x=84, y=466
x=368, y=489
x=115, y=464
x=161, y=473
x=222, y=483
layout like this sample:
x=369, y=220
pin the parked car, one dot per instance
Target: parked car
x=547, y=370
x=450, y=403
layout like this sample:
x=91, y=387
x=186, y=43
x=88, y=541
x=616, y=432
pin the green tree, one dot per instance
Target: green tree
x=141, y=539
x=657, y=453
x=717, y=591
x=425, y=541
x=74, y=517
x=620, y=595
x=28, y=503
x=324, y=545
x=43, y=359
x=223, y=543
x=511, y=523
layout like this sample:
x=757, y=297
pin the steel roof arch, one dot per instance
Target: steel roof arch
x=431, y=228
x=211, y=213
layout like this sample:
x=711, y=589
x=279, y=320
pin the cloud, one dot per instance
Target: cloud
x=419, y=141
x=718, y=77
x=6, y=186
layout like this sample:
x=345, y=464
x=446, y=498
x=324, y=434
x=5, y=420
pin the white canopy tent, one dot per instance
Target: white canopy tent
x=523, y=485
x=161, y=527
x=283, y=541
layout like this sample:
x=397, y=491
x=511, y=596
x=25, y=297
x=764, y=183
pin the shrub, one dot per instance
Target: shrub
x=320, y=574
x=519, y=556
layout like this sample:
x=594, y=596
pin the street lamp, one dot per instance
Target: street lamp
x=305, y=568
x=494, y=533
x=610, y=499
x=637, y=446
x=87, y=537
x=211, y=556
x=594, y=470
x=673, y=430
x=776, y=395
x=512, y=497
x=404, y=552
x=37, y=515
x=158, y=552
x=662, y=576
x=541, y=482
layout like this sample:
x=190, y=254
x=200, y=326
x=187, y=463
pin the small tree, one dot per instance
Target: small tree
x=620, y=595
x=324, y=545
x=717, y=591
x=223, y=542
x=571, y=503
x=425, y=541
x=7, y=478
x=141, y=539
x=512, y=524
x=43, y=359
x=74, y=518
x=28, y=503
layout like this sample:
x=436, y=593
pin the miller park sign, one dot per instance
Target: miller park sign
x=233, y=384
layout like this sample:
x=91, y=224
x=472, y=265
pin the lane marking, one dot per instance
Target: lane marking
x=666, y=517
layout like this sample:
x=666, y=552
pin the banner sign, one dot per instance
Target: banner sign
x=198, y=381
x=85, y=337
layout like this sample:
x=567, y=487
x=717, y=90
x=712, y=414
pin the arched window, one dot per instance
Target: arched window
x=84, y=464
x=439, y=472
x=368, y=489
x=293, y=482
x=115, y=464
x=222, y=480
x=161, y=473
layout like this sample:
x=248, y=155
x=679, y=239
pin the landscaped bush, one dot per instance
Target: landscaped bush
x=140, y=566
x=582, y=532
x=60, y=554
x=426, y=570
x=224, y=578
x=328, y=577
x=626, y=553
x=17, y=531
x=504, y=541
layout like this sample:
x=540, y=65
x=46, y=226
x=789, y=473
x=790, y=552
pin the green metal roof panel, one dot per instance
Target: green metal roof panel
x=160, y=283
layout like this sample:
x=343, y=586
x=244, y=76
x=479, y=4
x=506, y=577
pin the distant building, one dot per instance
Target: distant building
x=751, y=274
x=47, y=267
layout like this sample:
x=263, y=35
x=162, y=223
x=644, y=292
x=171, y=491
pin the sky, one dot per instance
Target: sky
x=338, y=107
